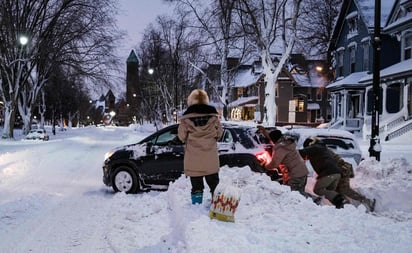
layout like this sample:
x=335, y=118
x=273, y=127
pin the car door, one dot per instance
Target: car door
x=164, y=159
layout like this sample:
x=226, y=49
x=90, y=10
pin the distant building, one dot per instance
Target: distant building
x=301, y=96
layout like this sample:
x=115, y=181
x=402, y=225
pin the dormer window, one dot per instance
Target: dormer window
x=352, y=21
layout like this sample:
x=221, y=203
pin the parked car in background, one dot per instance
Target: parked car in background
x=157, y=160
x=37, y=134
x=341, y=142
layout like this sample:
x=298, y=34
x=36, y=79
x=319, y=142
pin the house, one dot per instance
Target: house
x=352, y=51
x=103, y=110
x=301, y=95
x=395, y=80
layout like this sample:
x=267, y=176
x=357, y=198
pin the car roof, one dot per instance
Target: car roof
x=308, y=132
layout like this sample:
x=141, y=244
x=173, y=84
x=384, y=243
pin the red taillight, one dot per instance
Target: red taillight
x=264, y=156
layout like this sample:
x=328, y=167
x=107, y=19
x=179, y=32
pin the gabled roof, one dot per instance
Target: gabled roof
x=398, y=19
x=245, y=77
x=366, y=10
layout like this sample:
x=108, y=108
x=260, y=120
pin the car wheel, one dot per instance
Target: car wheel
x=125, y=180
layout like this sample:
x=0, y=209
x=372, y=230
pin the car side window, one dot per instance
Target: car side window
x=335, y=143
x=168, y=138
x=226, y=137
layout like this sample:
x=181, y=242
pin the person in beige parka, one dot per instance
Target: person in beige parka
x=199, y=130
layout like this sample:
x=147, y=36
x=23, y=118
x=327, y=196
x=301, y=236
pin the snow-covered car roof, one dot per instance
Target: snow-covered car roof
x=340, y=141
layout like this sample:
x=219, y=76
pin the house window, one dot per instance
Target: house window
x=340, y=63
x=352, y=20
x=394, y=98
x=407, y=48
x=309, y=94
x=319, y=94
x=300, y=105
x=365, y=63
x=352, y=52
x=239, y=92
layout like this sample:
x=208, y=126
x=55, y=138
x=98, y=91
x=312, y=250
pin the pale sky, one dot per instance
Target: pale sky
x=134, y=17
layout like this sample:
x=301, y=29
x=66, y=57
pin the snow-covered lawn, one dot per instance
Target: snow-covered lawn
x=52, y=199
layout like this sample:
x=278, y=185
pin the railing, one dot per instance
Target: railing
x=399, y=132
x=394, y=123
x=385, y=126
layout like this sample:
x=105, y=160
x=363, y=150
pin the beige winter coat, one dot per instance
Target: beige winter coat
x=285, y=153
x=201, y=155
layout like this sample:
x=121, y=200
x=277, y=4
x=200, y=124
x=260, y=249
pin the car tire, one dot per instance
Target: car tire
x=125, y=180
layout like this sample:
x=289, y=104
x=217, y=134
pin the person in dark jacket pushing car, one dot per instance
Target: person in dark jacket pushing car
x=327, y=170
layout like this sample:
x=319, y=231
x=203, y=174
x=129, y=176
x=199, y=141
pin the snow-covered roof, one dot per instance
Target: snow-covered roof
x=302, y=80
x=244, y=100
x=351, y=80
x=396, y=69
x=406, y=19
x=100, y=103
x=245, y=78
x=314, y=79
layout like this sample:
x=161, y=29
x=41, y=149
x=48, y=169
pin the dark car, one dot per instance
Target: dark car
x=157, y=160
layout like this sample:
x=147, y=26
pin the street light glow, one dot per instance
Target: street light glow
x=150, y=70
x=23, y=40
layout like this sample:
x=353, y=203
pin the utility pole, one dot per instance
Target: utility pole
x=375, y=147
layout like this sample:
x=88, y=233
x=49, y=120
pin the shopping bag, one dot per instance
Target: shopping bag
x=224, y=203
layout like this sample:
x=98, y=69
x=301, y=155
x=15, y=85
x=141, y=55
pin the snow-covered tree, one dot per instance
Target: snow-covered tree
x=77, y=34
x=218, y=24
x=270, y=26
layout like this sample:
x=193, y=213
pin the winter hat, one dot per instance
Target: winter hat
x=198, y=96
x=275, y=135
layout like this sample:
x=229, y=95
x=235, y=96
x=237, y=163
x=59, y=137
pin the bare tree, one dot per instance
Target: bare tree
x=167, y=50
x=77, y=34
x=316, y=24
x=270, y=25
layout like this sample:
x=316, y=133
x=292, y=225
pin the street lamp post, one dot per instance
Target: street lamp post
x=375, y=148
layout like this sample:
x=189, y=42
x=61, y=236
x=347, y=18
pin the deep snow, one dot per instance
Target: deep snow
x=52, y=199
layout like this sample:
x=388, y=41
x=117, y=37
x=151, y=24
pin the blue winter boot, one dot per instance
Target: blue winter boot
x=197, y=198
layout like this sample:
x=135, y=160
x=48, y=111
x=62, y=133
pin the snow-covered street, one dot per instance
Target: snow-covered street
x=52, y=199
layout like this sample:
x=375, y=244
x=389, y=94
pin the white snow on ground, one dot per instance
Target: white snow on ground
x=52, y=199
